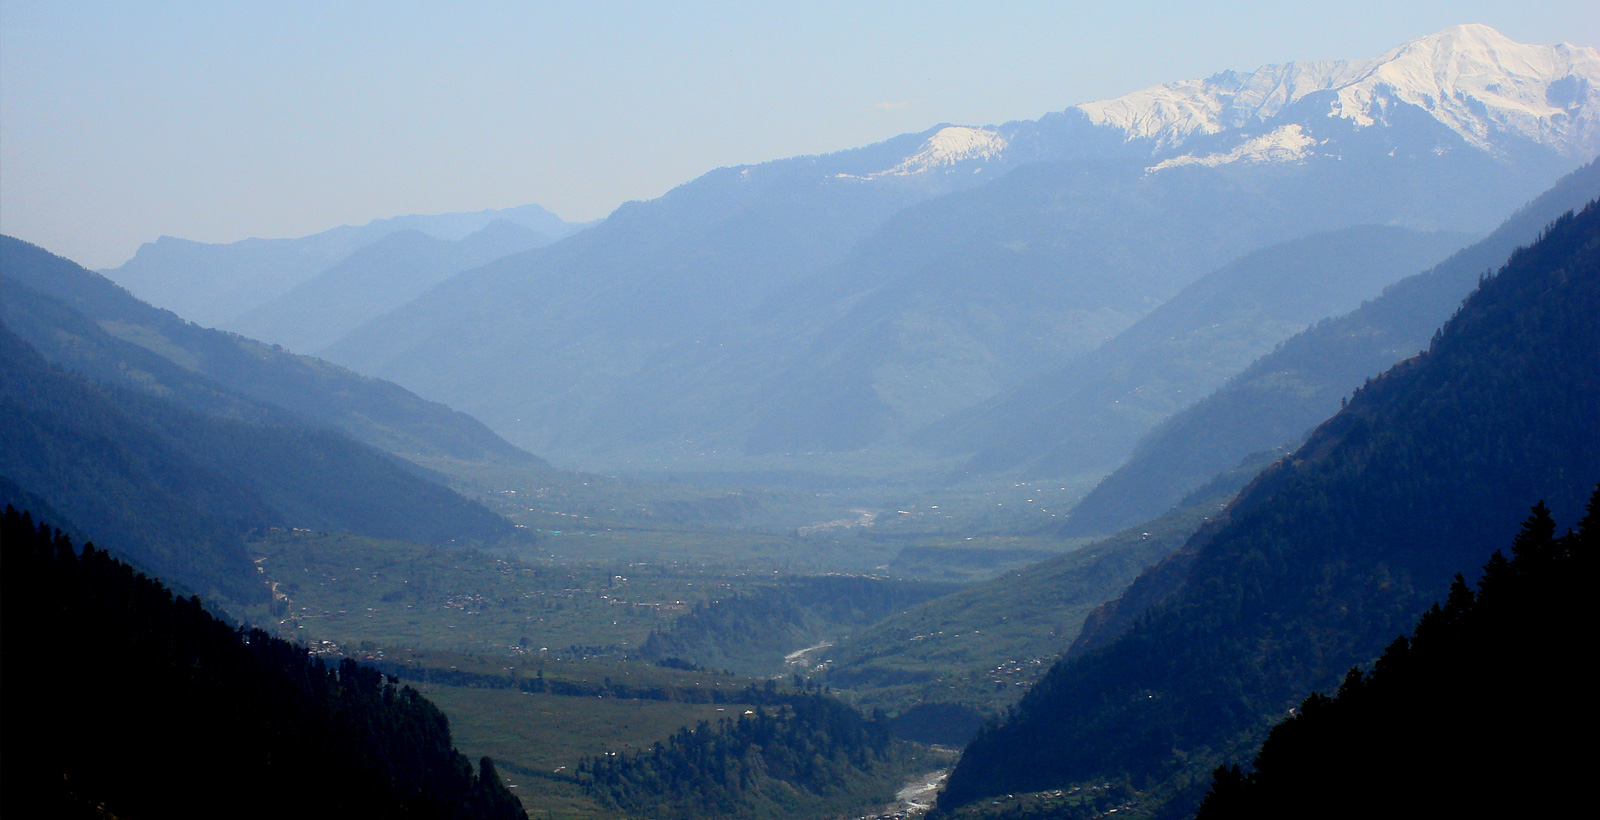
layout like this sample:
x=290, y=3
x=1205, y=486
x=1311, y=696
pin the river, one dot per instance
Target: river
x=913, y=799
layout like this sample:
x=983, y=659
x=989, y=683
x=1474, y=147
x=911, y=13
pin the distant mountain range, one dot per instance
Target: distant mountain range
x=81, y=321
x=1487, y=89
x=844, y=302
x=374, y=280
x=215, y=284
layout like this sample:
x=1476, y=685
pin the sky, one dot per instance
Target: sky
x=121, y=122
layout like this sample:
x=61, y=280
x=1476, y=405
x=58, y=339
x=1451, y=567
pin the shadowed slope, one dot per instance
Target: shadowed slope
x=1327, y=556
x=1287, y=392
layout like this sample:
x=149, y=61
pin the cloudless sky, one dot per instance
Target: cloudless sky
x=123, y=121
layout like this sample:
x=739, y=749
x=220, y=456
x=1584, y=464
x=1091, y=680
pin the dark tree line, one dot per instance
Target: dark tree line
x=122, y=700
x=813, y=754
x=751, y=632
x=1330, y=553
x=1485, y=711
x=767, y=694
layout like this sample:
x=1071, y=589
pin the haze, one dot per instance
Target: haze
x=123, y=122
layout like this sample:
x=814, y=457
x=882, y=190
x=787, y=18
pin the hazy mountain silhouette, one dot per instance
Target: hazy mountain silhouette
x=99, y=329
x=1086, y=415
x=838, y=302
x=212, y=284
x=375, y=280
x=1280, y=397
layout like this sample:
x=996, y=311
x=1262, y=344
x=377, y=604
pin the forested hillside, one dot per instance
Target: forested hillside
x=1284, y=394
x=1463, y=719
x=751, y=633
x=945, y=666
x=809, y=756
x=176, y=490
x=1086, y=415
x=372, y=411
x=1328, y=555
x=123, y=701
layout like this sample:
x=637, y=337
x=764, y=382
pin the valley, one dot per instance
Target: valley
x=543, y=659
x=1040, y=470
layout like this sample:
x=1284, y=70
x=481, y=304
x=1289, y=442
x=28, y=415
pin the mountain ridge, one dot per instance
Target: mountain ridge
x=1278, y=398
x=1086, y=415
x=1327, y=555
x=375, y=279
x=820, y=305
x=1435, y=72
x=178, y=490
x=215, y=283
x=370, y=410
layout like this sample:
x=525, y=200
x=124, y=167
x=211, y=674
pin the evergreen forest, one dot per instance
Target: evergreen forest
x=1478, y=713
x=801, y=756
x=1328, y=554
x=144, y=704
x=753, y=632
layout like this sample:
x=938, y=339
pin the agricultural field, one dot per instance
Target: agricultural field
x=542, y=661
x=356, y=591
x=975, y=529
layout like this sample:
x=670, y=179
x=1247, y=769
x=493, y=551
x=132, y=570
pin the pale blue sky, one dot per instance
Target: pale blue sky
x=218, y=121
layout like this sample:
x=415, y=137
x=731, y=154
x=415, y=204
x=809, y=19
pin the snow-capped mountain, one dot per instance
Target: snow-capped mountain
x=1286, y=143
x=1491, y=91
x=1483, y=86
x=820, y=304
x=951, y=145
